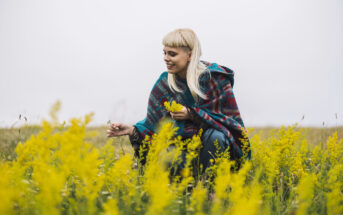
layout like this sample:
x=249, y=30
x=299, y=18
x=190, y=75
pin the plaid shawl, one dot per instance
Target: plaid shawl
x=219, y=110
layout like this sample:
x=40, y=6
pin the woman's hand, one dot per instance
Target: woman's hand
x=181, y=115
x=119, y=129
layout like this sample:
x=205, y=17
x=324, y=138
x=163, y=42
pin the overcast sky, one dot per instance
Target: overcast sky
x=104, y=56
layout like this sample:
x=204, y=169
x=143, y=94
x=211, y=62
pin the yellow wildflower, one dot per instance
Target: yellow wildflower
x=305, y=192
x=173, y=106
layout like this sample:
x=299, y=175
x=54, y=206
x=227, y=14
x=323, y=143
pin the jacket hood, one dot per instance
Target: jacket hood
x=215, y=68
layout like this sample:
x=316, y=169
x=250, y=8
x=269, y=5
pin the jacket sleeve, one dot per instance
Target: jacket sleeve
x=155, y=110
x=135, y=140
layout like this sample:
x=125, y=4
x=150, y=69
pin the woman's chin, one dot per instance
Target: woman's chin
x=171, y=71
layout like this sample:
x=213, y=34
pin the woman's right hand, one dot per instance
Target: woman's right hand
x=119, y=129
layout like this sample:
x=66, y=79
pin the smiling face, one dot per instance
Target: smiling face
x=177, y=59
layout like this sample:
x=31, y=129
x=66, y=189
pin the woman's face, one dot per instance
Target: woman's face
x=177, y=60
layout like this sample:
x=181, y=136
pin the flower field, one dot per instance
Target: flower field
x=72, y=169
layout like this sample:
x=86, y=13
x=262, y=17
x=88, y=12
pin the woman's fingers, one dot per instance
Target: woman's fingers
x=118, y=126
x=180, y=115
x=115, y=125
x=109, y=134
x=117, y=129
x=115, y=133
x=113, y=130
x=177, y=115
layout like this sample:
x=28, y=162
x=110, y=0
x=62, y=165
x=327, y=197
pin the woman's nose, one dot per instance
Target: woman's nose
x=166, y=58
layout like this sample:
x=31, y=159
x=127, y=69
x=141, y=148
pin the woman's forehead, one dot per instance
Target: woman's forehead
x=175, y=49
x=168, y=48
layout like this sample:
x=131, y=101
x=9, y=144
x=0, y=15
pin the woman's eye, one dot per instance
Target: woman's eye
x=172, y=54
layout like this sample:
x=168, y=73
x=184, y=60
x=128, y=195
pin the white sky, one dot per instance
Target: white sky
x=104, y=56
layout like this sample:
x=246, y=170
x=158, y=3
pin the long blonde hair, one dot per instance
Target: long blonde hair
x=185, y=37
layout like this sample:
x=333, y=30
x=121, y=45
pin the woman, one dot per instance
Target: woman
x=205, y=92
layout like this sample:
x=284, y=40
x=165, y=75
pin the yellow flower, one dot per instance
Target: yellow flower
x=173, y=106
x=61, y=170
x=305, y=190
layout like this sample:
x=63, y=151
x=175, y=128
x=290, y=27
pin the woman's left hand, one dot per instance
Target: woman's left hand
x=181, y=115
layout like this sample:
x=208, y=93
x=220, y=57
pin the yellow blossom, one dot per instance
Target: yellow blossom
x=173, y=106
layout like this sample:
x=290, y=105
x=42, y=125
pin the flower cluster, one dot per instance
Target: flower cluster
x=59, y=171
x=172, y=106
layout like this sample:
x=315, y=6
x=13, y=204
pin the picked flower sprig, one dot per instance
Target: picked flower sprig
x=173, y=106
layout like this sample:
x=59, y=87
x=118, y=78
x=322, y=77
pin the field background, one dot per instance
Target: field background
x=9, y=137
x=76, y=169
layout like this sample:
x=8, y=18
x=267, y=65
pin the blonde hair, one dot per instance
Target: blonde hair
x=187, y=39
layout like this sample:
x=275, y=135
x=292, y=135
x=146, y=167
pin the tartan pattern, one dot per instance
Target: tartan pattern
x=219, y=110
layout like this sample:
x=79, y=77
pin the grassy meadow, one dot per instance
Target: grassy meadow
x=10, y=137
x=57, y=169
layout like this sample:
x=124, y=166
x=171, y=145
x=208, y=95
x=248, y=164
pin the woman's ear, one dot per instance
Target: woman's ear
x=189, y=56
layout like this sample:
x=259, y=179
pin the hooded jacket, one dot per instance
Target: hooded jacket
x=219, y=110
